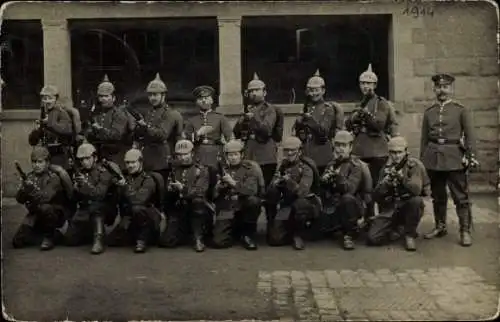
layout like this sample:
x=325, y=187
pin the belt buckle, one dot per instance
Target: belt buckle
x=252, y=136
x=441, y=141
x=363, y=129
x=205, y=141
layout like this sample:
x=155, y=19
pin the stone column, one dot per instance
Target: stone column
x=57, y=57
x=230, y=61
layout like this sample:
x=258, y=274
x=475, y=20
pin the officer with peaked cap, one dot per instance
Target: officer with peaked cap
x=54, y=131
x=93, y=184
x=318, y=123
x=257, y=127
x=139, y=215
x=372, y=122
x=209, y=130
x=237, y=199
x=186, y=199
x=43, y=195
x=109, y=125
x=291, y=190
x=341, y=182
x=399, y=194
x=448, y=150
x=159, y=129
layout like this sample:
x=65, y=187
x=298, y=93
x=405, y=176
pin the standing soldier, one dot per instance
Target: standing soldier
x=54, y=129
x=291, y=191
x=208, y=131
x=318, y=123
x=446, y=158
x=42, y=193
x=372, y=122
x=94, y=207
x=159, y=127
x=187, y=189
x=255, y=128
x=140, y=217
x=237, y=199
x=341, y=183
x=108, y=126
x=399, y=193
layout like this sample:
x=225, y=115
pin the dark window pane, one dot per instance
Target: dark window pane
x=286, y=52
x=22, y=63
x=184, y=52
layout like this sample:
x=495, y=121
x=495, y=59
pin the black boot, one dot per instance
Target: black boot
x=47, y=243
x=465, y=221
x=98, y=246
x=248, y=234
x=440, y=220
x=199, y=245
x=23, y=237
x=140, y=246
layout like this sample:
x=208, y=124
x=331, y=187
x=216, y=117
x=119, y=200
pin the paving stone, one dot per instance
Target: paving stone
x=378, y=315
x=333, y=278
x=330, y=317
x=369, y=277
x=386, y=278
x=399, y=315
x=374, y=284
x=383, y=271
x=419, y=315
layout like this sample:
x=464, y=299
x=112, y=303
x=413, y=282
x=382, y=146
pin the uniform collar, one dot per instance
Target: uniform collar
x=445, y=102
x=205, y=112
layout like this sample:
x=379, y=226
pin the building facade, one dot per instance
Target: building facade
x=72, y=45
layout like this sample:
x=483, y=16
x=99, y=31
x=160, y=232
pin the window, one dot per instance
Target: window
x=132, y=51
x=286, y=51
x=21, y=44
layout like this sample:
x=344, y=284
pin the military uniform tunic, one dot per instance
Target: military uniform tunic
x=45, y=203
x=442, y=128
x=163, y=126
x=59, y=134
x=371, y=141
x=326, y=119
x=260, y=146
x=109, y=140
x=207, y=148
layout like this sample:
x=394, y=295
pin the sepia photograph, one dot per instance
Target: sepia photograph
x=250, y=160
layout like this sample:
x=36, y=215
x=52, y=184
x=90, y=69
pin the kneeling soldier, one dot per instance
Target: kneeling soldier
x=42, y=193
x=399, y=192
x=340, y=183
x=139, y=216
x=237, y=198
x=290, y=190
x=92, y=184
x=186, y=204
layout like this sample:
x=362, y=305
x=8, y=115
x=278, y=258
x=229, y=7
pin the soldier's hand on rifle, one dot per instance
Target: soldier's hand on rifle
x=96, y=125
x=249, y=115
x=37, y=124
x=122, y=182
x=45, y=120
x=141, y=122
x=177, y=185
x=229, y=180
x=80, y=178
x=204, y=130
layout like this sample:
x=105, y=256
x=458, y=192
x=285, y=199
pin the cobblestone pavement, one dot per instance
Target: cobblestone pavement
x=441, y=281
x=444, y=293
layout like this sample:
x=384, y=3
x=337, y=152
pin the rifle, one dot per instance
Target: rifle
x=392, y=171
x=245, y=125
x=43, y=115
x=23, y=174
x=114, y=172
x=301, y=129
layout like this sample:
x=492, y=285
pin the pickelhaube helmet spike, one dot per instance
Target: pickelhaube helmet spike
x=316, y=80
x=368, y=75
x=105, y=87
x=156, y=85
x=256, y=83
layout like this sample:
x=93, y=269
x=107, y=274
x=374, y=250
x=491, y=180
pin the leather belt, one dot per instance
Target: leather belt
x=444, y=141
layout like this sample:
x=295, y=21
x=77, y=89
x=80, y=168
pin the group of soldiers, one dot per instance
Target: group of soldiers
x=158, y=179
